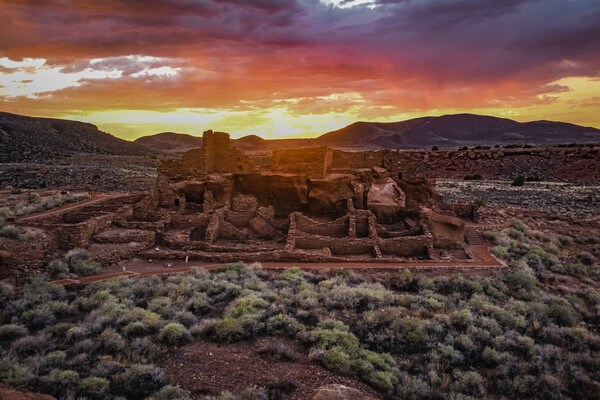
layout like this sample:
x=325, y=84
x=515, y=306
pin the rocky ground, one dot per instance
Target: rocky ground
x=99, y=173
x=559, y=198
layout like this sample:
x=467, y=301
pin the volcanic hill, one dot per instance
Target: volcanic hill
x=25, y=139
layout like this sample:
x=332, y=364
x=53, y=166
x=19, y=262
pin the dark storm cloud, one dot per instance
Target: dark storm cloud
x=305, y=47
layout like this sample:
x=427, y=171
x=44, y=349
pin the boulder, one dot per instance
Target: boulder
x=262, y=228
x=385, y=200
x=339, y=392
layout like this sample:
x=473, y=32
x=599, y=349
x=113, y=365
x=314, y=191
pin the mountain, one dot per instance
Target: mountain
x=170, y=142
x=34, y=139
x=455, y=131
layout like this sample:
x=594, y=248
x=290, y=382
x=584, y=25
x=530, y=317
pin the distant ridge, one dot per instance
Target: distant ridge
x=32, y=139
x=447, y=131
x=170, y=142
x=456, y=130
x=36, y=139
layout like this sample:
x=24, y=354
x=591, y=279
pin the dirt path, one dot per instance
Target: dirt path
x=485, y=262
x=95, y=198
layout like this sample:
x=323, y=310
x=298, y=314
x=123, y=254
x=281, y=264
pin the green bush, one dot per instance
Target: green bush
x=93, y=387
x=87, y=268
x=293, y=274
x=500, y=251
x=170, y=393
x=11, y=332
x=229, y=330
x=162, y=306
x=336, y=359
x=382, y=380
x=64, y=379
x=174, y=334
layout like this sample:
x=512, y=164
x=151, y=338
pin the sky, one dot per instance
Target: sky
x=297, y=68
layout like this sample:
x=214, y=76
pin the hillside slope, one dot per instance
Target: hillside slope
x=170, y=142
x=456, y=130
x=36, y=139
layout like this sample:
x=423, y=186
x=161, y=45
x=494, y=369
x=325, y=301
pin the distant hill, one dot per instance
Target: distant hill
x=454, y=131
x=36, y=139
x=170, y=142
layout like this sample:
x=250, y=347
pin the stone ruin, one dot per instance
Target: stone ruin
x=307, y=205
x=218, y=204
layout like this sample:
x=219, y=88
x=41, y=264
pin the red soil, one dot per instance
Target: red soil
x=208, y=368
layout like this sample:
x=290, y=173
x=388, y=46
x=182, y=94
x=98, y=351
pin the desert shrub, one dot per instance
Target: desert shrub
x=64, y=382
x=490, y=235
x=56, y=358
x=565, y=240
x=10, y=232
x=412, y=332
x=382, y=380
x=499, y=251
x=362, y=297
x=461, y=319
x=521, y=282
x=514, y=233
x=469, y=383
x=337, y=359
x=577, y=269
x=93, y=387
x=278, y=352
x=198, y=304
x=58, y=269
x=135, y=329
x=139, y=381
x=28, y=345
x=562, y=314
x=6, y=213
x=592, y=295
x=161, y=306
x=284, y=323
x=174, y=334
x=185, y=318
x=586, y=258
x=86, y=268
x=518, y=181
x=229, y=329
x=474, y=177
x=77, y=255
x=281, y=389
x=204, y=328
x=403, y=280
x=233, y=269
x=18, y=375
x=11, y=332
x=170, y=393
x=112, y=342
x=247, y=305
x=293, y=274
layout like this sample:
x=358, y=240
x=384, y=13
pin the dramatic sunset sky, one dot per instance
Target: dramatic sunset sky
x=297, y=67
